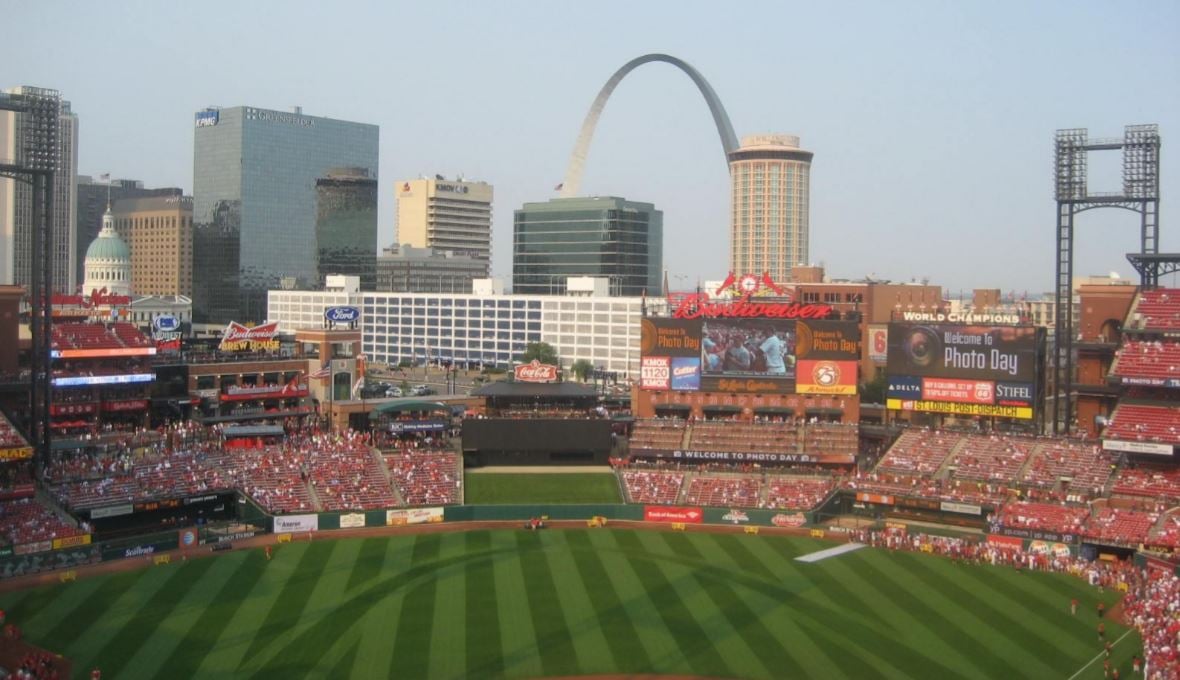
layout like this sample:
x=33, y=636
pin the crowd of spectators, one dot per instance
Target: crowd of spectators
x=28, y=521
x=652, y=486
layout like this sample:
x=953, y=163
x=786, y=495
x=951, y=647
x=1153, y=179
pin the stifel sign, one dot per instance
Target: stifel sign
x=535, y=372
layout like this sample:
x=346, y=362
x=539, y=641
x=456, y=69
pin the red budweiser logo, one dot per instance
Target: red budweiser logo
x=535, y=371
x=236, y=332
x=698, y=305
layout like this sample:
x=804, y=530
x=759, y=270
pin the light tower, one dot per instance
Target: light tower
x=1140, y=145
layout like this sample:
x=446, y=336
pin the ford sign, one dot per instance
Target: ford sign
x=342, y=314
x=166, y=322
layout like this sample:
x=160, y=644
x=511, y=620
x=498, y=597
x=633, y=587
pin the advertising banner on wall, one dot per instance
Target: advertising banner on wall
x=821, y=376
x=352, y=520
x=668, y=513
x=285, y=524
x=398, y=518
x=987, y=410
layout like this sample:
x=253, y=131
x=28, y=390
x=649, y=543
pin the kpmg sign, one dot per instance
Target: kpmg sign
x=208, y=118
x=342, y=314
x=453, y=188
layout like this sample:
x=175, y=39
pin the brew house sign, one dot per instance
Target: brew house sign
x=535, y=372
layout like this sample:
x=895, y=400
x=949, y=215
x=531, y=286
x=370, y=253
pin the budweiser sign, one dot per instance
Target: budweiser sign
x=700, y=306
x=535, y=372
x=238, y=337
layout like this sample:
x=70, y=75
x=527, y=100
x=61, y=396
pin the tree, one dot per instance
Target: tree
x=582, y=368
x=541, y=351
x=873, y=392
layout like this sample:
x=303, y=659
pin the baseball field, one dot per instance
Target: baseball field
x=521, y=604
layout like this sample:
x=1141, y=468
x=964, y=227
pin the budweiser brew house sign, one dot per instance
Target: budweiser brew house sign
x=237, y=337
x=535, y=372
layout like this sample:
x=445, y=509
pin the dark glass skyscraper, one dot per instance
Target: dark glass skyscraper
x=254, y=203
x=605, y=237
x=346, y=225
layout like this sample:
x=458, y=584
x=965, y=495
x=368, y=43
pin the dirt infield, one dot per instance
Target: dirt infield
x=130, y=563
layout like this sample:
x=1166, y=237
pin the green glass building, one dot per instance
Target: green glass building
x=603, y=236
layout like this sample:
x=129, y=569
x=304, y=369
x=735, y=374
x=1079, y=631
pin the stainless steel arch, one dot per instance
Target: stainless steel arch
x=573, y=174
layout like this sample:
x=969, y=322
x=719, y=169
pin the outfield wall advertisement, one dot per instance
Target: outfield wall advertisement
x=289, y=524
x=749, y=355
x=965, y=370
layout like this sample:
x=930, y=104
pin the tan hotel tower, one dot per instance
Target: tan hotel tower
x=771, y=182
x=159, y=232
x=446, y=215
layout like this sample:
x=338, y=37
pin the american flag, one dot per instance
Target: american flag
x=324, y=372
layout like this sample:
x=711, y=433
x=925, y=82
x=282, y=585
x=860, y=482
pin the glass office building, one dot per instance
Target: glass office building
x=346, y=226
x=605, y=237
x=254, y=203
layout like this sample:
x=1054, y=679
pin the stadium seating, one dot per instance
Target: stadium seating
x=9, y=436
x=1082, y=469
x=1150, y=482
x=797, y=493
x=1157, y=309
x=1063, y=519
x=426, y=477
x=831, y=438
x=737, y=491
x=1119, y=525
x=920, y=452
x=646, y=486
x=28, y=521
x=1148, y=359
x=350, y=480
x=658, y=433
x=1145, y=423
x=994, y=458
x=727, y=435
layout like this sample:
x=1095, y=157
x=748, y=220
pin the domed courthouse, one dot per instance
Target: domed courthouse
x=108, y=261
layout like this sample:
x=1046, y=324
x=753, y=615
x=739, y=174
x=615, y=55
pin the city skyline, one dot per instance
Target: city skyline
x=932, y=125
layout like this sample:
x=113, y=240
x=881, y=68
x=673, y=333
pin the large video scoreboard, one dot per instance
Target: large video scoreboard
x=966, y=370
x=750, y=355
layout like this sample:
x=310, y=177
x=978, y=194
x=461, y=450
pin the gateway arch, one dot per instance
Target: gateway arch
x=573, y=174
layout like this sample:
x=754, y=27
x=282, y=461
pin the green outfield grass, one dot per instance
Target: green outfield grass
x=520, y=604
x=495, y=488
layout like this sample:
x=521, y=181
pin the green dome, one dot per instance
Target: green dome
x=108, y=246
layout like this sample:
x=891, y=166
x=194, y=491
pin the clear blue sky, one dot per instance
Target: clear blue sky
x=932, y=122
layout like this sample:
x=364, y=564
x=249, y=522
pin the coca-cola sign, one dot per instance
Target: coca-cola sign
x=238, y=337
x=700, y=306
x=535, y=372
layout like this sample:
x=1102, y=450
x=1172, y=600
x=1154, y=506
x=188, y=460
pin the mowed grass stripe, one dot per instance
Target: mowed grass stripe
x=118, y=645
x=626, y=648
x=158, y=636
x=98, y=605
x=411, y=646
x=662, y=650
x=929, y=630
x=775, y=614
x=287, y=606
x=1000, y=620
x=593, y=651
x=186, y=658
x=518, y=635
x=43, y=606
x=553, y=642
x=368, y=562
x=450, y=608
x=483, y=655
x=747, y=624
x=323, y=604
x=379, y=625
x=695, y=644
x=1039, y=595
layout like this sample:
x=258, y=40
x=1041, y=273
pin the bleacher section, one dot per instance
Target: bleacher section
x=351, y=480
x=658, y=433
x=738, y=491
x=728, y=435
x=1145, y=423
x=990, y=458
x=646, y=486
x=1120, y=526
x=97, y=336
x=920, y=452
x=1158, y=310
x=426, y=477
x=1063, y=519
x=1149, y=359
x=797, y=493
x=28, y=521
x=1158, y=483
x=1068, y=470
